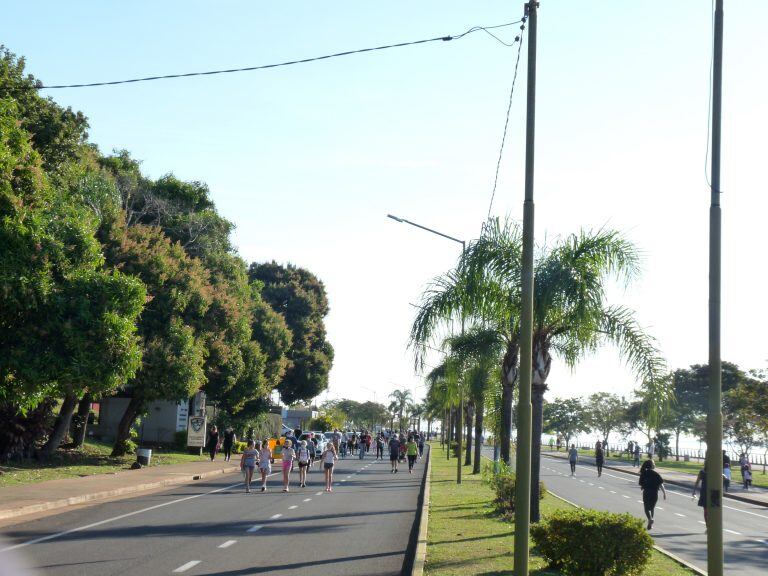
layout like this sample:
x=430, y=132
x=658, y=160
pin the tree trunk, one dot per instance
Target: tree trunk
x=449, y=435
x=458, y=444
x=469, y=413
x=537, y=423
x=478, y=436
x=509, y=371
x=61, y=427
x=124, y=428
x=677, y=445
x=83, y=414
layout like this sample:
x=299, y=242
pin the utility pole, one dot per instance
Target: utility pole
x=461, y=395
x=524, y=417
x=714, y=460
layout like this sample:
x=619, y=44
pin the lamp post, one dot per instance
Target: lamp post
x=461, y=397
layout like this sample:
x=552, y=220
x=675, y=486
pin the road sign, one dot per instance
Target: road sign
x=196, y=429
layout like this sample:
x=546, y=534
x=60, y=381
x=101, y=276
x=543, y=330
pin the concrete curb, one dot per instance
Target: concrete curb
x=103, y=495
x=661, y=550
x=420, y=556
x=745, y=499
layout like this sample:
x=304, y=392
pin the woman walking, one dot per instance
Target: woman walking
x=328, y=458
x=229, y=441
x=573, y=457
x=213, y=441
x=288, y=454
x=650, y=483
x=702, y=479
x=599, y=459
x=248, y=463
x=412, y=451
x=265, y=461
x=305, y=459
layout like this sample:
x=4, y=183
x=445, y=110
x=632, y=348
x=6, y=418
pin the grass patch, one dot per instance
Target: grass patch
x=467, y=537
x=92, y=458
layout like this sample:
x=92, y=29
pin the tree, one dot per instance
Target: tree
x=300, y=297
x=745, y=413
x=400, y=401
x=566, y=418
x=605, y=413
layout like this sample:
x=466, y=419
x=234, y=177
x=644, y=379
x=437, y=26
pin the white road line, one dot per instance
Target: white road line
x=113, y=519
x=678, y=514
x=227, y=544
x=761, y=541
x=731, y=531
x=275, y=516
x=187, y=566
x=702, y=522
x=292, y=507
x=600, y=488
x=613, y=491
x=639, y=501
x=343, y=479
x=255, y=528
x=657, y=508
x=307, y=500
x=318, y=493
x=625, y=496
x=582, y=481
x=746, y=511
x=590, y=483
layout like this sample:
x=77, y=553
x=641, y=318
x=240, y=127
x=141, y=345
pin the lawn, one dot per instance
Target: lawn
x=92, y=458
x=466, y=536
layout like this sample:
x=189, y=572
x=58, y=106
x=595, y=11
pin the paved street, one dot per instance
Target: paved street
x=679, y=525
x=363, y=527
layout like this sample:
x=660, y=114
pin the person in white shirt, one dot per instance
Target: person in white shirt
x=328, y=458
x=304, y=457
x=265, y=459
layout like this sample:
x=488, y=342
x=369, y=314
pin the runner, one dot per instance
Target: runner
x=304, y=458
x=248, y=463
x=265, y=461
x=573, y=457
x=394, y=452
x=650, y=483
x=288, y=454
x=412, y=450
x=328, y=458
x=599, y=459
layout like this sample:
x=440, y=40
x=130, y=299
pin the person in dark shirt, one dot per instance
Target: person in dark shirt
x=702, y=479
x=650, y=483
x=394, y=452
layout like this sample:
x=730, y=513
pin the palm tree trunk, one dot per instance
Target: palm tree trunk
x=124, y=428
x=83, y=413
x=469, y=414
x=61, y=427
x=478, y=435
x=509, y=370
x=458, y=445
x=537, y=398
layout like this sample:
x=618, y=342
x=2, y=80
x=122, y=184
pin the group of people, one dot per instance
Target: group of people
x=402, y=447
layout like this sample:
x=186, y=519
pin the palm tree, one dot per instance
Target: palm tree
x=400, y=400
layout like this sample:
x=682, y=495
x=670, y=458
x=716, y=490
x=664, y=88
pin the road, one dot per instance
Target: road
x=362, y=528
x=679, y=525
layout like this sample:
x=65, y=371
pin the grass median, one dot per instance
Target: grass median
x=467, y=537
x=92, y=458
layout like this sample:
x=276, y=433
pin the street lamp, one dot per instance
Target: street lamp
x=461, y=397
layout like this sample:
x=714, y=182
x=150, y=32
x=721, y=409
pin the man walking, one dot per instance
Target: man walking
x=573, y=457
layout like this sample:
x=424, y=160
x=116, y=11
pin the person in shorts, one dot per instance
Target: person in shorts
x=265, y=461
x=328, y=458
x=303, y=455
x=289, y=454
x=248, y=463
x=412, y=451
x=394, y=452
x=650, y=483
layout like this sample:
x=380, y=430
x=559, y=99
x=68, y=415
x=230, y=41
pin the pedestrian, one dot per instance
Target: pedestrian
x=343, y=444
x=328, y=458
x=288, y=454
x=726, y=471
x=361, y=449
x=394, y=452
x=380, y=446
x=412, y=451
x=265, y=463
x=630, y=449
x=213, y=441
x=650, y=483
x=702, y=479
x=636, y=460
x=304, y=458
x=248, y=463
x=599, y=459
x=573, y=457
x=229, y=441
x=421, y=446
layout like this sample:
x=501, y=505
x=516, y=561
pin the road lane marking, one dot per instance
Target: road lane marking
x=746, y=512
x=292, y=507
x=639, y=501
x=307, y=500
x=318, y=493
x=761, y=541
x=255, y=528
x=228, y=543
x=590, y=483
x=658, y=508
x=625, y=496
x=678, y=514
x=343, y=479
x=702, y=522
x=600, y=488
x=275, y=516
x=613, y=491
x=187, y=566
x=113, y=519
x=731, y=531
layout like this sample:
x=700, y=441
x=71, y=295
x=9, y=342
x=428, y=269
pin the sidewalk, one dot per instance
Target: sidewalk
x=17, y=501
x=756, y=495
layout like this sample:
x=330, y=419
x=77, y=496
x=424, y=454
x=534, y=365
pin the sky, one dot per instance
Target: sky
x=308, y=160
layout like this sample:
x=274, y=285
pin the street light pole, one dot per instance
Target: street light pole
x=461, y=396
x=524, y=410
x=714, y=460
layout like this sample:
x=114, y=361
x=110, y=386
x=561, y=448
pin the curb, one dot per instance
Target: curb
x=661, y=550
x=96, y=496
x=745, y=499
x=420, y=556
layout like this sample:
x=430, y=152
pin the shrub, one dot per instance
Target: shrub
x=238, y=447
x=503, y=484
x=618, y=544
x=180, y=439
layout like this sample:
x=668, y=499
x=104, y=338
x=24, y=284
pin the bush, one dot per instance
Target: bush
x=238, y=447
x=180, y=439
x=503, y=484
x=618, y=544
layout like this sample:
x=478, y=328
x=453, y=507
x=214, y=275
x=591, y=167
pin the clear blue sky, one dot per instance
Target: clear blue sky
x=308, y=160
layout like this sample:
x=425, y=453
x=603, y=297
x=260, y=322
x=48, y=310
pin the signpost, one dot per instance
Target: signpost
x=196, y=431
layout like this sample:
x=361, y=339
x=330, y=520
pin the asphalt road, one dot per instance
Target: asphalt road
x=362, y=528
x=679, y=525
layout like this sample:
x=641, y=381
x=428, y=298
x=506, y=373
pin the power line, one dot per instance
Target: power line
x=519, y=40
x=279, y=64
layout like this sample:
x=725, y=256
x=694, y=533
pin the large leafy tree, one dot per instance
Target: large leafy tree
x=299, y=296
x=566, y=418
x=400, y=401
x=605, y=413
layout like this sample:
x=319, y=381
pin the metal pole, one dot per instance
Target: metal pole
x=523, y=457
x=461, y=396
x=714, y=460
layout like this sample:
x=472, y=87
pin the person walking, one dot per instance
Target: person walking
x=343, y=444
x=228, y=443
x=650, y=483
x=265, y=463
x=248, y=463
x=726, y=471
x=328, y=458
x=573, y=458
x=636, y=460
x=213, y=442
x=305, y=459
x=421, y=445
x=599, y=459
x=412, y=451
x=394, y=452
x=288, y=455
x=702, y=479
